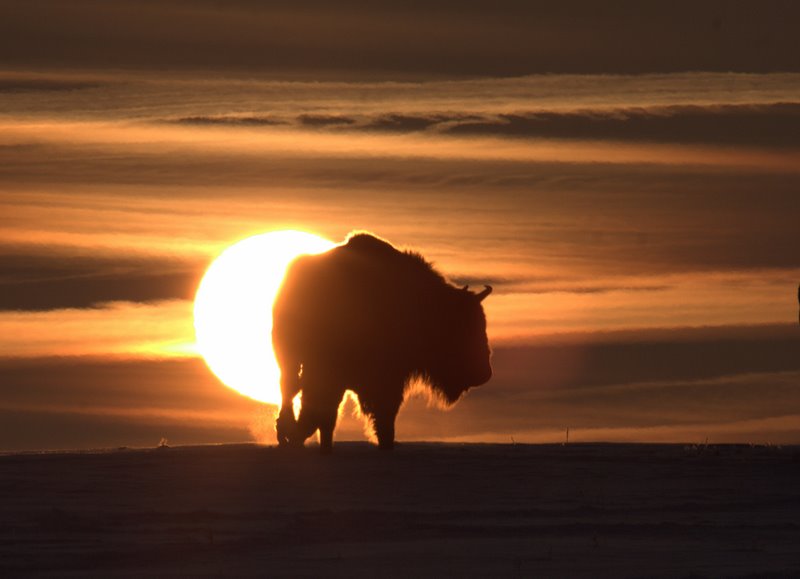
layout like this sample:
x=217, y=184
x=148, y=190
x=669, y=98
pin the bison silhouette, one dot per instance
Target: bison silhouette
x=369, y=318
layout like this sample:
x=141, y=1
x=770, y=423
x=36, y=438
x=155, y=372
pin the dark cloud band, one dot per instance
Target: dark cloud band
x=755, y=125
x=418, y=39
x=635, y=380
x=35, y=282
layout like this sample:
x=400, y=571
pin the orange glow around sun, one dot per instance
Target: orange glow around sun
x=233, y=309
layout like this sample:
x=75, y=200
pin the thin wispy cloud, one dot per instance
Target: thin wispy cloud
x=754, y=125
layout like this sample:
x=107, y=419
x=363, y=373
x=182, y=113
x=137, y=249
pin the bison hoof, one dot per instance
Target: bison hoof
x=290, y=440
x=294, y=442
x=284, y=429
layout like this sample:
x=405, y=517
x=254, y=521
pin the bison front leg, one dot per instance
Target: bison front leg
x=286, y=424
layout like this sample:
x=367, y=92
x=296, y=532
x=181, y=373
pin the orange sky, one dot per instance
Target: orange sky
x=618, y=210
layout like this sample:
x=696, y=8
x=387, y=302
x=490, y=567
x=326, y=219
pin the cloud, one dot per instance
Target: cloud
x=757, y=125
x=600, y=206
x=533, y=206
x=100, y=402
x=175, y=385
x=774, y=125
x=549, y=285
x=548, y=246
x=397, y=122
x=114, y=329
x=733, y=383
x=587, y=362
x=243, y=121
x=316, y=120
x=687, y=300
x=418, y=39
x=38, y=282
x=679, y=387
x=22, y=84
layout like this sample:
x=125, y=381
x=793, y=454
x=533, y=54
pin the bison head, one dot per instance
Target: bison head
x=460, y=349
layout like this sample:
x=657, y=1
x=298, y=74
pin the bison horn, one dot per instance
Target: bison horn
x=466, y=288
x=481, y=296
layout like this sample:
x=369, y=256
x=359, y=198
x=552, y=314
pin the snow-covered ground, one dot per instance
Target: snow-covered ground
x=437, y=510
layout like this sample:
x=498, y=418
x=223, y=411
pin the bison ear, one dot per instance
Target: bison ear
x=481, y=296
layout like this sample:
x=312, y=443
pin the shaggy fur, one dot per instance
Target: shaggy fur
x=366, y=317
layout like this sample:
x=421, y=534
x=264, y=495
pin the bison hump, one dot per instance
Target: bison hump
x=367, y=242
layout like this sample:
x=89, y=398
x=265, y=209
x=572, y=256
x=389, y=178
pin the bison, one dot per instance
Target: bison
x=370, y=318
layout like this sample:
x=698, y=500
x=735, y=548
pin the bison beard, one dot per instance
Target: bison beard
x=366, y=317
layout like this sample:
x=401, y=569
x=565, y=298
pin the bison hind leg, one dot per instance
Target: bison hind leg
x=384, y=430
x=382, y=413
x=326, y=428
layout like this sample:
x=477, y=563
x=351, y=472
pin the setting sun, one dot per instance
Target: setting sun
x=233, y=309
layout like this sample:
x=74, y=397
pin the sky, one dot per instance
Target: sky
x=626, y=176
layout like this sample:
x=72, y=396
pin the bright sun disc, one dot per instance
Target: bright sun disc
x=233, y=310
